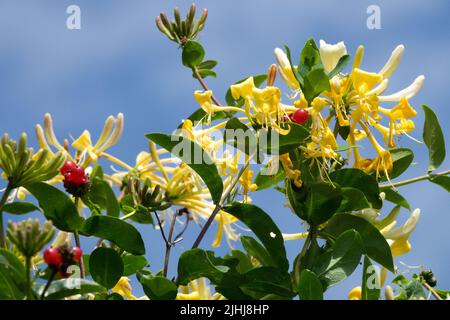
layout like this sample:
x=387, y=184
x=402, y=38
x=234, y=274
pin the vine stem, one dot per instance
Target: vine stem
x=49, y=282
x=169, y=244
x=204, y=85
x=78, y=244
x=298, y=264
x=433, y=292
x=3, y=200
x=417, y=179
x=28, y=277
x=220, y=204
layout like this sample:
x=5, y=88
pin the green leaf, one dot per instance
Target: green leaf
x=339, y=262
x=108, y=297
x=309, y=287
x=60, y=289
x=375, y=245
x=355, y=178
x=257, y=80
x=193, y=54
x=402, y=159
x=133, y=264
x=123, y=234
x=245, y=264
x=342, y=63
x=370, y=281
x=197, y=263
x=240, y=136
x=106, y=267
x=279, y=144
x=443, y=181
x=354, y=200
x=264, y=181
x=309, y=57
x=414, y=290
x=297, y=75
x=159, y=288
x=315, y=203
x=316, y=81
x=264, y=228
x=257, y=250
x=195, y=157
x=434, y=139
x=57, y=206
x=397, y=198
x=101, y=194
x=19, y=208
x=204, y=73
x=259, y=282
x=208, y=64
x=12, y=276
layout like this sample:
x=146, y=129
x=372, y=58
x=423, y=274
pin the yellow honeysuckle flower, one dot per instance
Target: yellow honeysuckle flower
x=243, y=89
x=355, y=294
x=400, y=247
x=198, y=290
x=364, y=81
x=292, y=174
x=110, y=135
x=123, y=288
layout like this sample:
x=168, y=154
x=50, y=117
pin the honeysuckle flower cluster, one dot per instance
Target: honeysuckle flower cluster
x=312, y=154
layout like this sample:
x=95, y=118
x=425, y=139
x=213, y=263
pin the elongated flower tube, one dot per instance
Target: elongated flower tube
x=285, y=69
x=393, y=62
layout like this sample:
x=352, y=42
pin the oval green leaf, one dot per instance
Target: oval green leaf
x=264, y=228
x=375, y=245
x=123, y=234
x=106, y=267
x=57, y=206
x=19, y=208
x=434, y=139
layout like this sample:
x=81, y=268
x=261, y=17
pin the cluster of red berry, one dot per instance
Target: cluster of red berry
x=76, y=181
x=59, y=259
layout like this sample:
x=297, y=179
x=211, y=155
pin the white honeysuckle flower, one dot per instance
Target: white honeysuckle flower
x=393, y=62
x=331, y=53
x=379, y=89
x=406, y=93
x=406, y=229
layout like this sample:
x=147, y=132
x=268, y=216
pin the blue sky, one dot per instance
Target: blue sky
x=119, y=62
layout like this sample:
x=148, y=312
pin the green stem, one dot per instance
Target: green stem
x=169, y=244
x=298, y=262
x=78, y=244
x=204, y=85
x=81, y=262
x=28, y=277
x=3, y=200
x=413, y=180
x=49, y=282
x=125, y=217
x=433, y=292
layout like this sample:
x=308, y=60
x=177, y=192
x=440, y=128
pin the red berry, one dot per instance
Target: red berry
x=76, y=177
x=300, y=116
x=77, y=253
x=52, y=257
x=67, y=167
